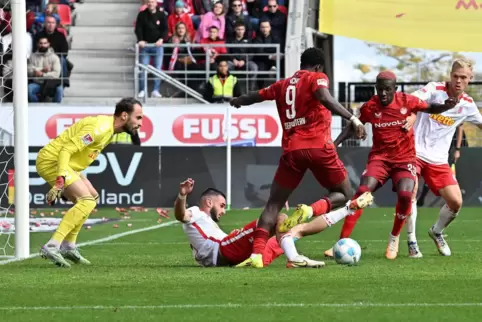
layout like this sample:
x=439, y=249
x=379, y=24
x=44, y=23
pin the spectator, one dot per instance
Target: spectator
x=277, y=21
x=143, y=6
x=237, y=15
x=179, y=16
x=240, y=59
x=223, y=86
x=151, y=29
x=191, y=7
x=214, y=18
x=267, y=59
x=213, y=52
x=50, y=10
x=181, y=57
x=44, y=68
x=58, y=42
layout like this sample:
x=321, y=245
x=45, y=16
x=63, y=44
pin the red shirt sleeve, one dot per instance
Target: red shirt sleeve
x=270, y=93
x=319, y=80
x=416, y=104
x=365, y=113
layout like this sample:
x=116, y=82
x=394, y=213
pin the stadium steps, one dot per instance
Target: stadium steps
x=103, y=65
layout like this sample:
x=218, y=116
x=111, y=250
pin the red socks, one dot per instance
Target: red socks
x=403, y=210
x=261, y=237
x=272, y=251
x=321, y=207
x=349, y=224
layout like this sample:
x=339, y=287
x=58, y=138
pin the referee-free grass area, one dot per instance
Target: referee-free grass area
x=151, y=276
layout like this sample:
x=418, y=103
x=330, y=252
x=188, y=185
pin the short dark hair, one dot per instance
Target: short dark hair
x=38, y=40
x=312, y=57
x=212, y=192
x=126, y=105
x=239, y=23
x=213, y=27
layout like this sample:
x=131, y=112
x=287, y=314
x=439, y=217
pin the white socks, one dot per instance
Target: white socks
x=445, y=218
x=411, y=222
x=335, y=216
x=53, y=243
x=67, y=245
x=288, y=245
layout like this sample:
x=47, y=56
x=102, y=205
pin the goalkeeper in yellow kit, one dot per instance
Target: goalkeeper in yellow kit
x=60, y=162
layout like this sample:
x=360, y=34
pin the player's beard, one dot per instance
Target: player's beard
x=214, y=215
x=136, y=140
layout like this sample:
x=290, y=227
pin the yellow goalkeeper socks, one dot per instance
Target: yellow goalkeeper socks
x=74, y=218
x=71, y=239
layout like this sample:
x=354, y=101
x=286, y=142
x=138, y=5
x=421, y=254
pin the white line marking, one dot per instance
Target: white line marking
x=102, y=240
x=233, y=305
x=304, y=241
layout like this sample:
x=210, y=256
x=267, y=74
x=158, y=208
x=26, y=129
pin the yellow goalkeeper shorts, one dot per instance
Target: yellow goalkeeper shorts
x=47, y=169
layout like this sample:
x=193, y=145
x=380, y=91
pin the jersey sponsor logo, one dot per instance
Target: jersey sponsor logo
x=467, y=4
x=389, y=124
x=322, y=82
x=444, y=120
x=210, y=128
x=57, y=123
x=87, y=139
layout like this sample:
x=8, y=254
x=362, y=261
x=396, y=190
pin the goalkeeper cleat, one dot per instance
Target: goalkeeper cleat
x=53, y=254
x=255, y=260
x=363, y=201
x=304, y=262
x=329, y=253
x=301, y=214
x=74, y=256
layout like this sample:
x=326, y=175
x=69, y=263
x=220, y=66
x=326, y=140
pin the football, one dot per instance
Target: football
x=347, y=251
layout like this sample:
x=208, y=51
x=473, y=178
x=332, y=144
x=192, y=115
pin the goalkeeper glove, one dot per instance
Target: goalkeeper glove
x=56, y=191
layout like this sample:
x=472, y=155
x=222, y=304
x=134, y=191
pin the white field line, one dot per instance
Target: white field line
x=236, y=305
x=305, y=241
x=101, y=240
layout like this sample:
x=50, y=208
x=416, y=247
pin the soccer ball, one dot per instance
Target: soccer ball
x=347, y=251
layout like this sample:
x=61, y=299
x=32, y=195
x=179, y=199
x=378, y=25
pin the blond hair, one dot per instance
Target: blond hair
x=461, y=63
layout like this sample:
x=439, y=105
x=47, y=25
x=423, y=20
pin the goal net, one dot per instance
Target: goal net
x=14, y=198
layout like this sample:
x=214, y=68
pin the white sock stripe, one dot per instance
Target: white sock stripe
x=237, y=237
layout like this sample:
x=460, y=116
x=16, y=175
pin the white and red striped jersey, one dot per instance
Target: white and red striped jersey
x=434, y=132
x=204, y=236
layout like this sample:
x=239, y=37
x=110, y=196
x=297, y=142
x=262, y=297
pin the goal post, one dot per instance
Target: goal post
x=20, y=111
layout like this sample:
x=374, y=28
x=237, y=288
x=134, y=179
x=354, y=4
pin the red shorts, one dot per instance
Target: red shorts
x=238, y=246
x=324, y=163
x=436, y=176
x=383, y=170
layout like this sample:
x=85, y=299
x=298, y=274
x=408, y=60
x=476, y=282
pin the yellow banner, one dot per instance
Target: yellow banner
x=453, y=25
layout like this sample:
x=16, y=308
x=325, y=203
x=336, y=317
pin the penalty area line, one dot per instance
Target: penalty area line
x=234, y=305
x=99, y=241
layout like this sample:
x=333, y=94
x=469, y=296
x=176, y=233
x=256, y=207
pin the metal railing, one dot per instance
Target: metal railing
x=202, y=69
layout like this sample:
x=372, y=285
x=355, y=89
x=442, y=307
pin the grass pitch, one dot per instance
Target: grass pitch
x=151, y=276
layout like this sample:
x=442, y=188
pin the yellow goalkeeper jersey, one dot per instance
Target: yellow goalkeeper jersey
x=85, y=139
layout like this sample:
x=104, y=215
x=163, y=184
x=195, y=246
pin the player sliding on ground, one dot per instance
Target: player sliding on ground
x=304, y=104
x=59, y=163
x=433, y=135
x=393, y=151
x=213, y=247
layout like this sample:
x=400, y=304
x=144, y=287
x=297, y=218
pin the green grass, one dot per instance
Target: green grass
x=151, y=276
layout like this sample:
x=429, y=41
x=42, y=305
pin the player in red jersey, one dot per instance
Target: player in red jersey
x=304, y=104
x=393, y=151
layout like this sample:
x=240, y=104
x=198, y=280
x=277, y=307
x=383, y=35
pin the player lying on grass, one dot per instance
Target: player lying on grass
x=59, y=163
x=433, y=136
x=304, y=103
x=393, y=151
x=213, y=247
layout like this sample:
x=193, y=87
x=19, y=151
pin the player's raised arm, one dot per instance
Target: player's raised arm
x=180, y=211
x=247, y=99
x=438, y=108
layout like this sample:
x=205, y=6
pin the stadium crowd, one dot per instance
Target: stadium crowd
x=251, y=22
x=47, y=37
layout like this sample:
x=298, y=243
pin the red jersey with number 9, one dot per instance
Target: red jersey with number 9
x=306, y=122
